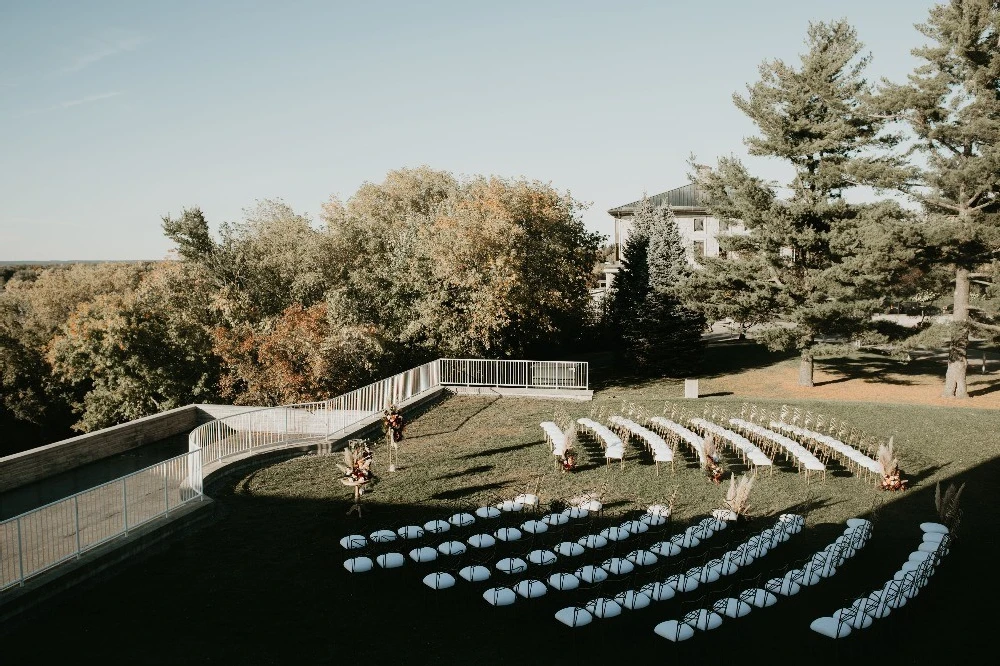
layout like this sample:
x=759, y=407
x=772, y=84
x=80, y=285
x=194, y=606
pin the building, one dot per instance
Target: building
x=698, y=230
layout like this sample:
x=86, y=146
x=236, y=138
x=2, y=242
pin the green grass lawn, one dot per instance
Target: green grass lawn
x=266, y=582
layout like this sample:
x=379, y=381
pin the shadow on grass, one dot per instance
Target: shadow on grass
x=456, y=493
x=499, y=450
x=459, y=420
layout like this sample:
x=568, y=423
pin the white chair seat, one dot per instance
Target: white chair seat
x=853, y=618
x=632, y=600
x=569, y=549
x=512, y=565
x=934, y=527
x=534, y=526
x=564, y=581
x=830, y=627
x=482, y=541
x=703, y=619
x=665, y=548
x=659, y=510
x=858, y=522
x=499, y=596
x=574, y=617
x=411, y=532
x=674, y=631
x=784, y=586
x=530, y=589
x=575, y=512
x=682, y=583
x=474, y=573
x=642, y=558
x=614, y=533
x=592, y=505
x=602, y=607
x=591, y=574
x=437, y=526
x=488, y=512
x=358, y=564
x=383, y=536
x=932, y=548
x=451, y=548
x=554, y=519
x=652, y=521
x=542, y=557
x=508, y=534
x=593, y=541
x=462, y=519
x=390, y=560
x=439, y=581
x=685, y=540
x=933, y=537
x=704, y=574
x=758, y=598
x=423, y=554
x=352, y=541
x=732, y=607
x=526, y=499
x=510, y=505
x=658, y=591
x=617, y=566
x=634, y=526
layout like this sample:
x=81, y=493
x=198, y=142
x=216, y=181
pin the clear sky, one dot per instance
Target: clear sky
x=113, y=114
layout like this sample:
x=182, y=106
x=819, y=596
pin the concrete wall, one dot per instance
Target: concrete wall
x=27, y=467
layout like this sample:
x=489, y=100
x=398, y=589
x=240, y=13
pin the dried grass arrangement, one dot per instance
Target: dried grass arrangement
x=713, y=460
x=738, y=495
x=568, y=460
x=947, y=506
x=357, y=471
x=892, y=477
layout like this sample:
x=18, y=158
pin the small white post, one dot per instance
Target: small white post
x=690, y=388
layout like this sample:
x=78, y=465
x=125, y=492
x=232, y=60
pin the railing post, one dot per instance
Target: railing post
x=125, y=506
x=166, y=490
x=20, y=555
x=76, y=509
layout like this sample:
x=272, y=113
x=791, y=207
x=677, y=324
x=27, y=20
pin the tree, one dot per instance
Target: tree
x=631, y=284
x=666, y=260
x=813, y=118
x=738, y=290
x=951, y=104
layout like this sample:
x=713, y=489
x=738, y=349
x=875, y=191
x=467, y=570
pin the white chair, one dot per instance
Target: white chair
x=574, y=616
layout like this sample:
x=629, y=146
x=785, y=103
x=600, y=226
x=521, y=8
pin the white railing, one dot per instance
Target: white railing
x=38, y=540
x=514, y=374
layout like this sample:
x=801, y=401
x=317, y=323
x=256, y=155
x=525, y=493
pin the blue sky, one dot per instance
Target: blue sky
x=113, y=114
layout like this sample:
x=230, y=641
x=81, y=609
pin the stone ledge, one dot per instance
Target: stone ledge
x=538, y=393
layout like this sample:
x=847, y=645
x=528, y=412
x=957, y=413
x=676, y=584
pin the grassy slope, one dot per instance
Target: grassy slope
x=266, y=584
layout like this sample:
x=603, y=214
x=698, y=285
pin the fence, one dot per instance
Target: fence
x=50, y=535
x=43, y=538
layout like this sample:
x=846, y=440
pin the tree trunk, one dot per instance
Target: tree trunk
x=806, y=370
x=958, y=348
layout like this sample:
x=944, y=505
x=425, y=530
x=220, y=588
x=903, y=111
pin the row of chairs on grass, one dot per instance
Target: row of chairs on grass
x=555, y=438
x=748, y=451
x=803, y=457
x=821, y=565
x=653, y=442
x=614, y=448
x=904, y=585
x=695, y=441
x=847, y=454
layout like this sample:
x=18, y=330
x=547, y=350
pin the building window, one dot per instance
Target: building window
x=698, y=249
x=699, y=224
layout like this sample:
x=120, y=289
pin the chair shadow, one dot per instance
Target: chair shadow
x=914, y=479
x=479, y=469
x=455, y=493
x=502, y=449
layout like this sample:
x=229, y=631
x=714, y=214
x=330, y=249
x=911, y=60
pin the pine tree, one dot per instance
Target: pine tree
x=666, y=259
x=813, y=118
x=631, y=285
x=952, y=106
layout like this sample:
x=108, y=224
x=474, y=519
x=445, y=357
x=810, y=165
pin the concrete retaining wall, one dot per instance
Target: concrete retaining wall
x=33, y=465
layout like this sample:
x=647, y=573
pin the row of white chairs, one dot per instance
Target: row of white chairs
x=695, y=441
x=747, y=449
x=614, y=448
x=848, y=454
x=655, y=444
x=603, y=607
x=743, y=555
x=555, y=438
x=904, y=585
x=821, y=565
x=804, y=458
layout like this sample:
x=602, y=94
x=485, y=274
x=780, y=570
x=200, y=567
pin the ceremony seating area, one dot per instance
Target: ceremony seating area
x=848, y=456
x=696, y=442
x=614, y=448
x=905, y=584
x=746, y=449
x=804, y=459
x=555, y=438
x=654, y=443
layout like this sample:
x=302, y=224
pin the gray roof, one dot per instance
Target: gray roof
x=688, y=196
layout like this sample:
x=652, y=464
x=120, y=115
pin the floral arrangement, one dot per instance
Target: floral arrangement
x=738, y=495
x=357, y=471
x=713, y=460
x=568, y=459
x=892, y=476
x=393, y=421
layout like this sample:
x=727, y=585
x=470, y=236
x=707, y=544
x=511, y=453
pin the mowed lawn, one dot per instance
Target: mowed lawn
x=266, y=582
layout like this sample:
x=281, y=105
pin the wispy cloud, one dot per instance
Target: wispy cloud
x=75, y=102
x=103, y=49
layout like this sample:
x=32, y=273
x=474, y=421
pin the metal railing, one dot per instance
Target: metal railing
x=514, y=374
x=38, y=540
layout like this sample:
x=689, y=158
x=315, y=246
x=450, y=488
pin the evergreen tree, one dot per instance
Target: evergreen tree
x=666, y=259
x=631, y=284
x=813, y=118
x=952, y=106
